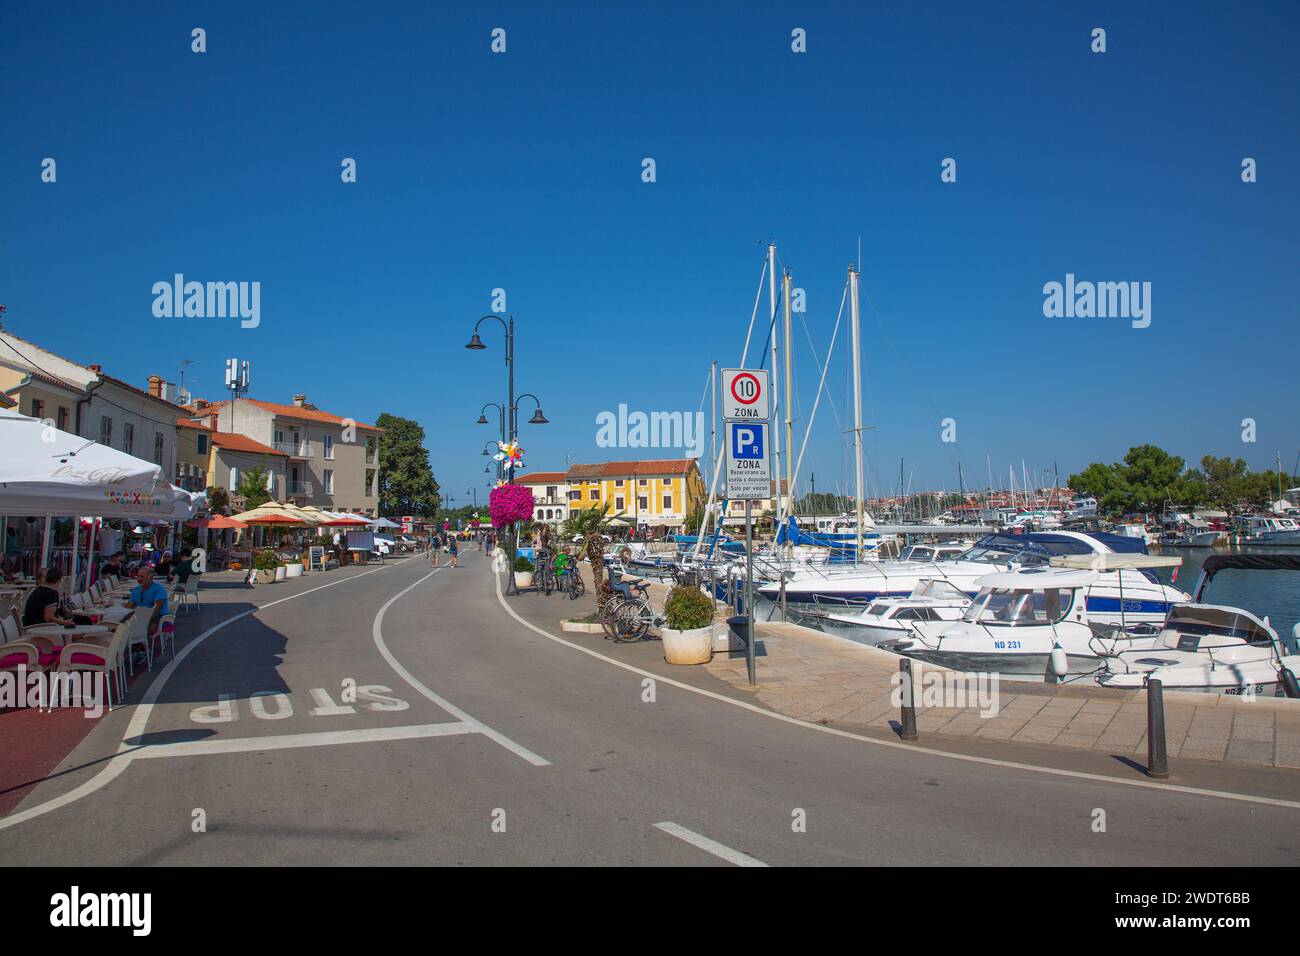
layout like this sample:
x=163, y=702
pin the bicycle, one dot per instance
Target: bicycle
x=570, y=581
x=544, y=577
x=625, y=617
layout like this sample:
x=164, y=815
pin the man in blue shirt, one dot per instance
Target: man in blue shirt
x=149, y=593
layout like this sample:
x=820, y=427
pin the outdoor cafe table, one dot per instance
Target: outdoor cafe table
x=66, y=635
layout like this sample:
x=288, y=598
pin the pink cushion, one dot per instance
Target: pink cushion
x=13, y=660
x=80, y=657
x=49, y=657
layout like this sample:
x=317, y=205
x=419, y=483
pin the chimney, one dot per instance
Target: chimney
x=200, y=404
x=300, y=400
x=155, y=385
x=98, y=370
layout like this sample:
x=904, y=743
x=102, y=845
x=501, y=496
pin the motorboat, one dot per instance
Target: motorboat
x=1214, y=648
x=892, y=618
x=1130, y=595
x=1273, y=529
x=1030, y=622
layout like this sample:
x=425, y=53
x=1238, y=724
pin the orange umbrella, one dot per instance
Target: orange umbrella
x=219, y=522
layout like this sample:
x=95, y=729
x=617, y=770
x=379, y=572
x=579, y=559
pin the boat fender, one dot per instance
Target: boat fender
x=1290, y=686
x=1059, y=661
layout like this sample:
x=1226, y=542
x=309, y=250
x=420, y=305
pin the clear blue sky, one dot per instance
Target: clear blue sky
x=523, y=171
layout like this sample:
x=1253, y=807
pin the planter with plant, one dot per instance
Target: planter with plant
x=688, y=633
x=265, y=564
x=523, y=573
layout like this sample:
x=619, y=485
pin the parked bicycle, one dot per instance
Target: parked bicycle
x=570, y=580
x=544, y=578
x=627, y=616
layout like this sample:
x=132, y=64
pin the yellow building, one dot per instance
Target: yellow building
x=655, y=494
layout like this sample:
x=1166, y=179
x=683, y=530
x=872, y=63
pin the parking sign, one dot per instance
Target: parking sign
x=749, y=473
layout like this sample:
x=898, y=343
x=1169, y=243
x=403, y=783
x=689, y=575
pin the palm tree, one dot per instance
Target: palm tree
x=589, y=523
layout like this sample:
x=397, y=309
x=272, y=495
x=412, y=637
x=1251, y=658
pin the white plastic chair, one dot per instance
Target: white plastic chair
x=101, y=658
x=167, y=633
x=184, y=593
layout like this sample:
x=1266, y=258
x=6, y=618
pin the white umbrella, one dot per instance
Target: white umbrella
x=384, y=523
x=51, y=472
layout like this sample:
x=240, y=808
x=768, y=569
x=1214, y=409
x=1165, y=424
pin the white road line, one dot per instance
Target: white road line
x=128, y=752
x=895, y=745
x=328, y=738
x=516, y=749
x=709, y=846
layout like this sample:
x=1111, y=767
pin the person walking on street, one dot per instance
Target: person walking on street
x=435, y=546
x=453, y=552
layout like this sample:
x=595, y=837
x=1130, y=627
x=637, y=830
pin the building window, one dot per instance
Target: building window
x=643, y=503
x=202, y=443
x=370, y=482
x=619, y=483
x=328, y=481
x=329, y=448
x=618, y=502
x=38, y=408
x=551, y=492
x=234, y=477
x=640, y=482
x=370, y=451
x=158, y=447
x=668, y=502
x=105, y=430
x=128, y=437
x=62, y=421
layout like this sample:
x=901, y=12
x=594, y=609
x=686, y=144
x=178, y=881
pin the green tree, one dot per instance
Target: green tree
x=406, y=482
x=218, y=500
x=694, y=519
x=590, y=524
x=252, y=487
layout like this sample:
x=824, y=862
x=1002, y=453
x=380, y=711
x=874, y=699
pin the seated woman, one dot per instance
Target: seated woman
x=43, y=604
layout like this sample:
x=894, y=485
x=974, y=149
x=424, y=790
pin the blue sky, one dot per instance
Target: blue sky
x=523, y=171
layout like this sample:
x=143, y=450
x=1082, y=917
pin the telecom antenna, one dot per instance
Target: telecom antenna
x=238, y=376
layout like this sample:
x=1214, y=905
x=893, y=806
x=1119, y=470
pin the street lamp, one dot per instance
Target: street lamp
x=509, y=424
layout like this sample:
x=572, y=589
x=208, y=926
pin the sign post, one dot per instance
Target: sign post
x=747, y=412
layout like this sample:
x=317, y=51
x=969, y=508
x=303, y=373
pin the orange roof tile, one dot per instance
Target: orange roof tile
x=286, y=411
x=243, y=443
x=540, y=478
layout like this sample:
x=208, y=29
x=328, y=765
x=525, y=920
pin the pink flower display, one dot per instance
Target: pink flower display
x=510, y=503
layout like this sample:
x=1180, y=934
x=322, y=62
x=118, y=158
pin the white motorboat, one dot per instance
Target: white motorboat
x=1017, y=620
x=1131, y=594
x=892, y=618
x=1271, y=529
x=1214, y=648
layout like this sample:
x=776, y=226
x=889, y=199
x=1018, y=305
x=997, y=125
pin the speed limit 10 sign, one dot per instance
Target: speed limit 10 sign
x=744, y=395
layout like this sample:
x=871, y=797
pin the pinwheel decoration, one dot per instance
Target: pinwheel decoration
x=510, y=455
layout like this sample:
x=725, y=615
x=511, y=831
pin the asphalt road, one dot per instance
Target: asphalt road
x=474, y=740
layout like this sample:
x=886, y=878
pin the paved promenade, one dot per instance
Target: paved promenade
x=812, y=676
x=819, y=678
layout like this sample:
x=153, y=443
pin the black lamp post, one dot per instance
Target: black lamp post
x=510, y=419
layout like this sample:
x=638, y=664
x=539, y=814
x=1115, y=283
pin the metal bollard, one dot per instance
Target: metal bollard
x=909, y=703
x=1157, y=754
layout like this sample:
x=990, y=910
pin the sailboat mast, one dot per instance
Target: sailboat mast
x=776, y=403
x=789, y=406
x=713, y=422
x=857, y=404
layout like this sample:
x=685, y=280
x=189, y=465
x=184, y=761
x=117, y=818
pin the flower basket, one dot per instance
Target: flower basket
x=510, y=503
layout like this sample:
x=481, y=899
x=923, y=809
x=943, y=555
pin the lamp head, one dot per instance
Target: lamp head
x=475, y=342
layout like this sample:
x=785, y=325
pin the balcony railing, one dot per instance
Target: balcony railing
x=297, y=488
x=294, y=449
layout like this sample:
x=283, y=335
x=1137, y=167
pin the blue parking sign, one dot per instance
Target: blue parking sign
x=748, y=440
